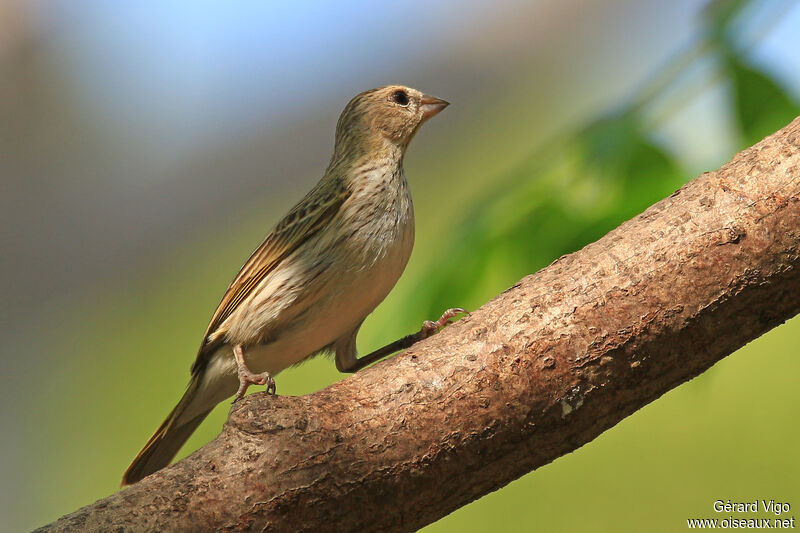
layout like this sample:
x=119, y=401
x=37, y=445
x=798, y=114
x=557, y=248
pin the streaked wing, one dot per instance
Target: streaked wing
x=308, y=217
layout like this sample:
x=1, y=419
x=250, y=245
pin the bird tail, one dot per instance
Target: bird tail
x=168, y=438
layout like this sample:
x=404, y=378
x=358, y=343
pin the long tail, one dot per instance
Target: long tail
x=168, y=438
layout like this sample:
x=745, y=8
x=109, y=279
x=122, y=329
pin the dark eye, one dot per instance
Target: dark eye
x=400, y=97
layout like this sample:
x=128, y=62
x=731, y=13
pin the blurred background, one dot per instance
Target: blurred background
x=147, y=147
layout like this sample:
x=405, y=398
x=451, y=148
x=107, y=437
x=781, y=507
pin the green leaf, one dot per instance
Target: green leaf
x=761, y=106
x=719, y=16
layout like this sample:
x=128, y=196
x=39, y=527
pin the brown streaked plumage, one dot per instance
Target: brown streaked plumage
x=324, y=267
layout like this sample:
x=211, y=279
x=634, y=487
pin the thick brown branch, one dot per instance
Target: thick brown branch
x=535, y=373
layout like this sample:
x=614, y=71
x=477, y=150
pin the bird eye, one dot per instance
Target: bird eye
x=400, y=97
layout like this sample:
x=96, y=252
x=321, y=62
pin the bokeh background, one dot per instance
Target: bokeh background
x=147, y=147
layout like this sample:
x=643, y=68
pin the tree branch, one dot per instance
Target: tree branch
x=535, y=373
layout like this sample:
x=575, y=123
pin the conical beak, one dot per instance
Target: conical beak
x=430, y=105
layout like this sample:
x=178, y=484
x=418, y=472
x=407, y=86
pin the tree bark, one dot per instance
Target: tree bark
x=535, y=373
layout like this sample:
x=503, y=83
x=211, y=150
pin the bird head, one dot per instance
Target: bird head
x=386, y=115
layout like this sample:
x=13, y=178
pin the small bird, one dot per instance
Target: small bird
x=318, y=274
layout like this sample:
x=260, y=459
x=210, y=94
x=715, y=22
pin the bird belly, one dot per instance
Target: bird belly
x=308, y=304
x=350, y=295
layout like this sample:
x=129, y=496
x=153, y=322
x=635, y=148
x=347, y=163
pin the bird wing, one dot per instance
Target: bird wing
x=307, y=218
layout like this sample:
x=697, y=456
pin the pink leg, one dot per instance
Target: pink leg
x=429, y=328
x=247, y=378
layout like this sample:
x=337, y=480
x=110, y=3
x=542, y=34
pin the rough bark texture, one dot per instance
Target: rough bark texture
x=535, y=373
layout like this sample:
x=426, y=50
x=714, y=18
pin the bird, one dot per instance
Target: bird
x=318, y=274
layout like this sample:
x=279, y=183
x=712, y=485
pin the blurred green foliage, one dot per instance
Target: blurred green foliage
x=760, y=105
x=563, y=196
x=579, y=186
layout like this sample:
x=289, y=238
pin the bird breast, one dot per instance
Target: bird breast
x=373, y=242
x=378, y=219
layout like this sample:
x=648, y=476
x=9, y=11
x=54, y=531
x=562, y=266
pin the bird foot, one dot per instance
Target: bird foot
x=247, y=378
x=430, y=328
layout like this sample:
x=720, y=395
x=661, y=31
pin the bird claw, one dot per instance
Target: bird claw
x=271, y=388
x=247, y=378
x=430, y=328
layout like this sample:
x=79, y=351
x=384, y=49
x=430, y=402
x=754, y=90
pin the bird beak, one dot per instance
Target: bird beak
x=430, y=105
